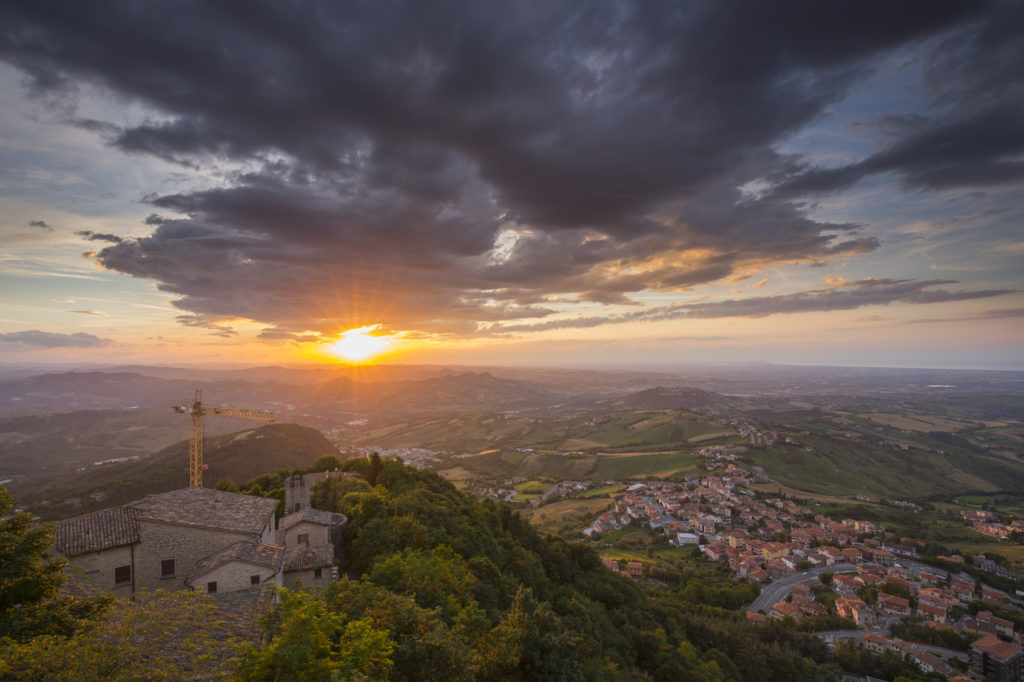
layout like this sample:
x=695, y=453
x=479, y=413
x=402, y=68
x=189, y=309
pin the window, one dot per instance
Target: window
x=298, y=506
x=211, y=587
x=303, y=537
x=254, y=580
x=167, y=568
x=318, y=572
x=122, y=575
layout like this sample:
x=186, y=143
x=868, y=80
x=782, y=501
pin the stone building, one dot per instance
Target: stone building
x=298, y=488
x=238, y=567
x=200, y=539
x=101, y=548
x=313, y=541
x=312, y=564
x=161, y=540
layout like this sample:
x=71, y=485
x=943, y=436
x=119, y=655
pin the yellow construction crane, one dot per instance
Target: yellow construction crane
x=195, y=445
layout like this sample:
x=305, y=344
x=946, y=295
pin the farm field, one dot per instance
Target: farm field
x=567, y=516
x=919, y=422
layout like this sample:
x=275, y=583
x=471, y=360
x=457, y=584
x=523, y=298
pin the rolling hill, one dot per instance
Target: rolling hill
x=623, y=431
x=240, y=456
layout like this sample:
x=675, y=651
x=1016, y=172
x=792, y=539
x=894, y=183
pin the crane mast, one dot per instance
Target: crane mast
x=195, y=443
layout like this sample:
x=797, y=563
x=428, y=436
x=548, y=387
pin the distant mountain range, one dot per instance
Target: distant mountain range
x=111, y=390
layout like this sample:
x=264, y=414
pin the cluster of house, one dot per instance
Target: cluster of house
x=563, y=489
x=633, y=569
x=989, y=524
x=418, y=458
x=986, y=564
x=203, y=539
x=926, y=660
x=755, y=435
x=989, y=657
x=732, y=525
x=997, y=652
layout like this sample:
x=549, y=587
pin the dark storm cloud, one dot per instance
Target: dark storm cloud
x=981, y=150
x=40, y=339
x=975, y=136
x=846, y=297
x=99, y=236
x=439, y=165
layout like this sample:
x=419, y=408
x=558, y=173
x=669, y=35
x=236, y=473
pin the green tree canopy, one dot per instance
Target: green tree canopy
x=31, y=578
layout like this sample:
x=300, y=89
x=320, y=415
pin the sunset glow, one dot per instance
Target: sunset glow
x=360, y=345
x=803, y=212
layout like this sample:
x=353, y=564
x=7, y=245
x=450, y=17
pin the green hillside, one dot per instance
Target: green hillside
x=239, y=456
x=850, y=466
x=507, y=463
x=621, y=431
x=459, y=589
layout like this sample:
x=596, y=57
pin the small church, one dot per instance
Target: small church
x=200, y=539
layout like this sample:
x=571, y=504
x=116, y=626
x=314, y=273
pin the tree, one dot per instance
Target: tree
x=30, y=579
x=329, y=493
x=534, y=644
x=375, y=468
x=826, y=578
x=325, y=463
x=227, y=485
x=309, y=642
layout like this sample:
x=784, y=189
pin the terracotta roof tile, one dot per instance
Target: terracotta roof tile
x=995, y=647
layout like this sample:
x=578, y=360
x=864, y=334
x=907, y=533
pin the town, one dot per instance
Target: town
x=811, y=566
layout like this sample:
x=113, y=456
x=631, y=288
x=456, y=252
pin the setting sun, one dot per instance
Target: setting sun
x=359, y=344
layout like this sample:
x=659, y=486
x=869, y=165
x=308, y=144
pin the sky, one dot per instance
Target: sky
x=541, y=183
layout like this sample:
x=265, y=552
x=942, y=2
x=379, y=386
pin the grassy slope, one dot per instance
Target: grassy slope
x=841, y=466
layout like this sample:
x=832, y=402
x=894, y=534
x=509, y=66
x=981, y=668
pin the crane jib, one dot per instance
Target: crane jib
x=196, y=413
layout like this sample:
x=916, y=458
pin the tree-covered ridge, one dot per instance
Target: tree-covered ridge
x=442, y=586
x=439, y=586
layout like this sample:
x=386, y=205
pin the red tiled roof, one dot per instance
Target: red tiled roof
x=995, y=647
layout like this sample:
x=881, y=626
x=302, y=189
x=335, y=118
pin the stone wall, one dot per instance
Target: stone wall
x=185, y=544
x=308, y=577
x=318, y=534
x=96, y=569
x=237, y=575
